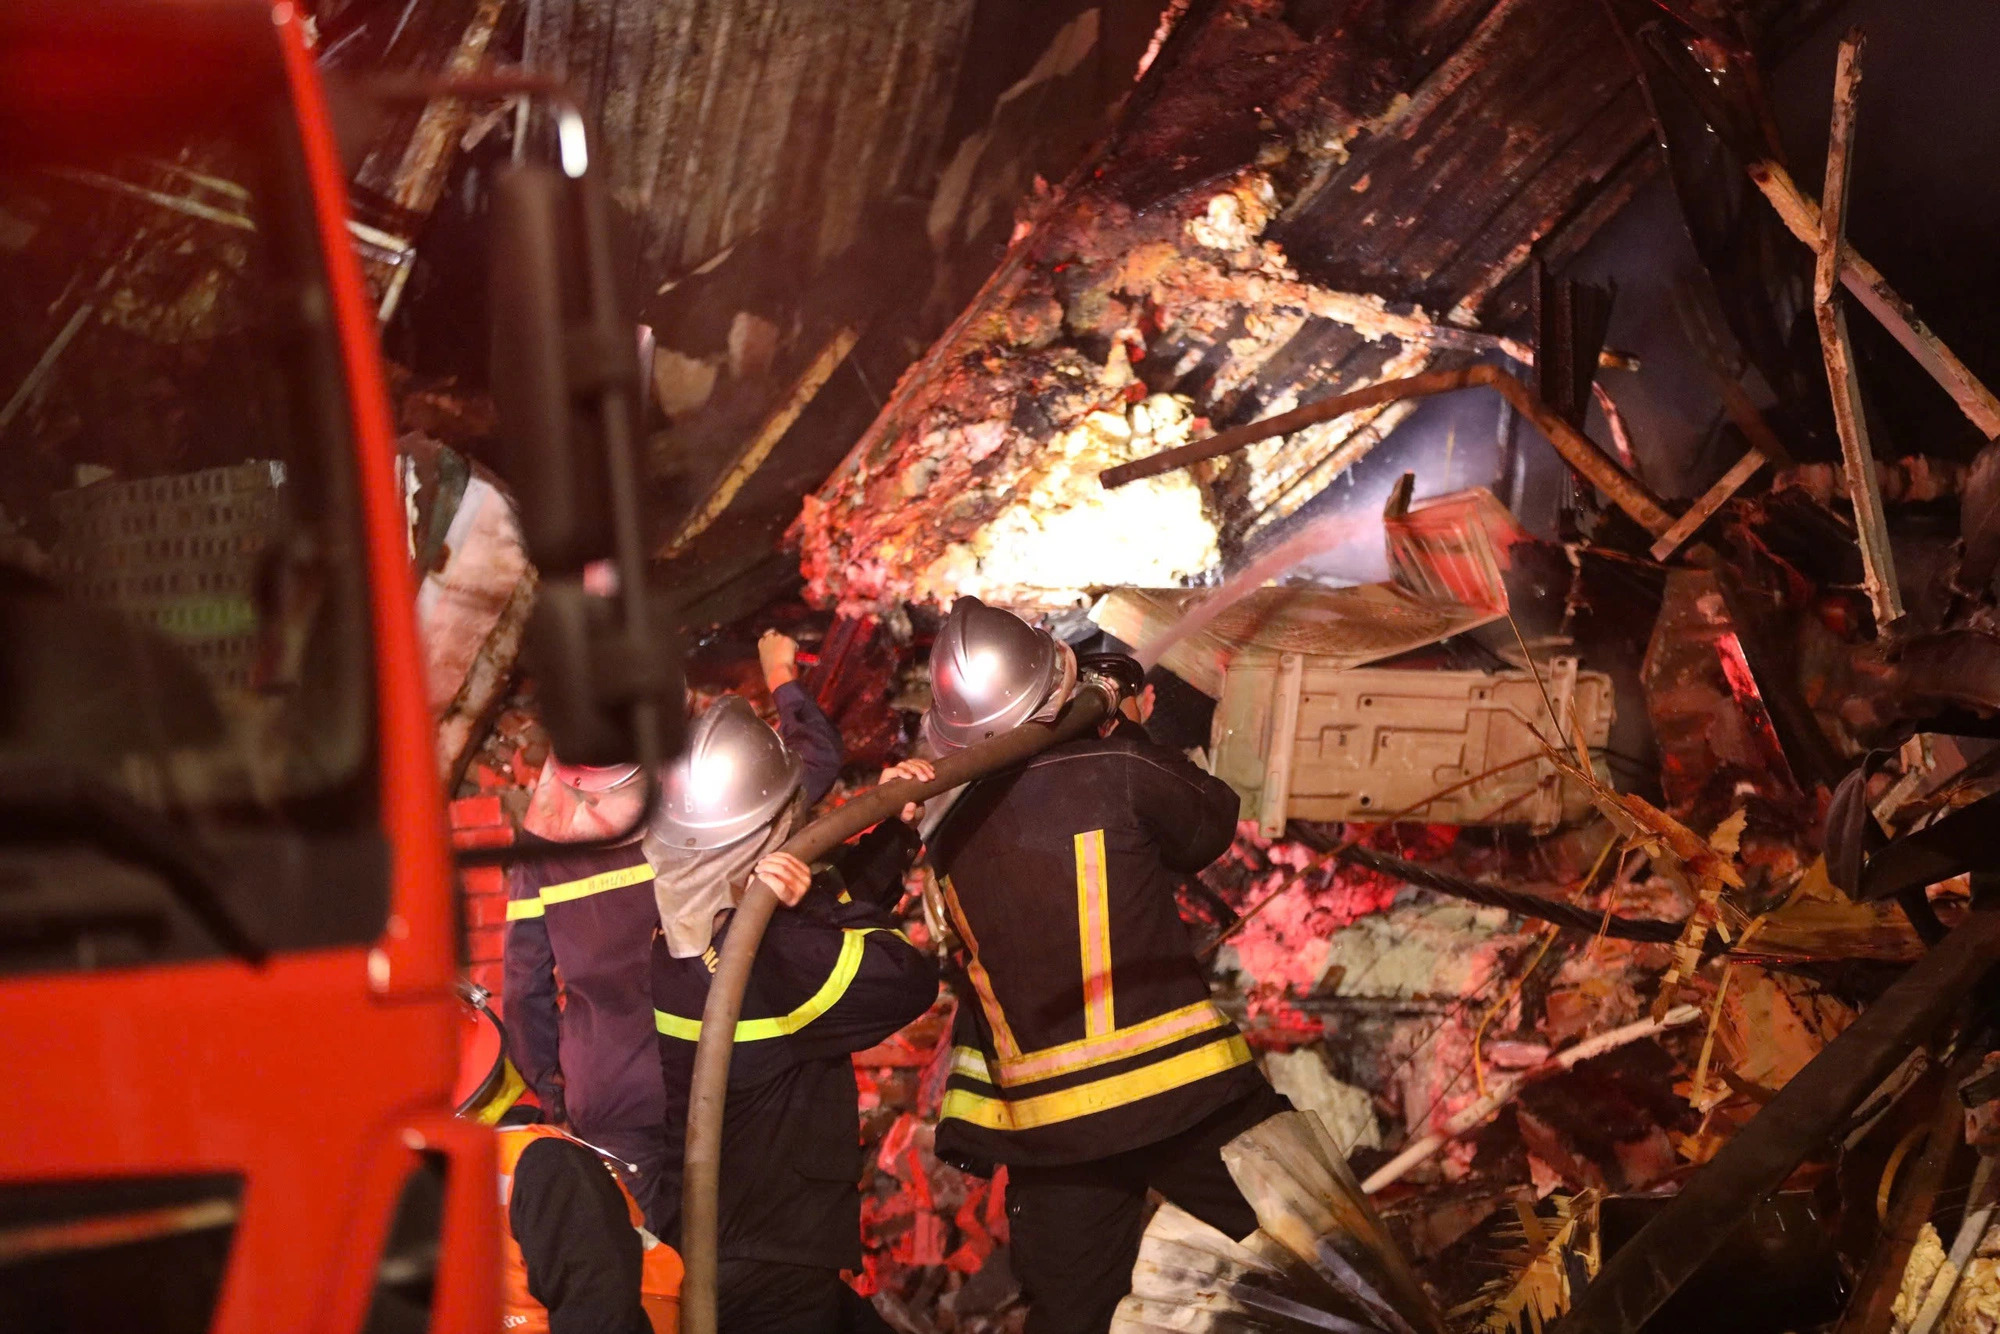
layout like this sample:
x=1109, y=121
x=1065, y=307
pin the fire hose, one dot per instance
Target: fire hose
x=1096, y=696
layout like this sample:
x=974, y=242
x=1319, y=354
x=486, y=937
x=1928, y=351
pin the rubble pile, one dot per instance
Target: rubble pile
x=1604, y=889
x=1173, y=270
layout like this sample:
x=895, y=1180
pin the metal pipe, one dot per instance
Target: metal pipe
x=1602, y=471
x=702, y=1163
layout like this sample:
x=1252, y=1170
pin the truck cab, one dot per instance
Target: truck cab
x=227, y=939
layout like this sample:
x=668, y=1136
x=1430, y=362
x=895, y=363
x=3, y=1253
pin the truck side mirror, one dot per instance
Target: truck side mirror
x=566, y=383
x=552, y=451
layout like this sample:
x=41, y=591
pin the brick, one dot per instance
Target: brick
x=484, y=944
x=477, y=813
x=484, y=910
x=483, y=880
x=486, y=836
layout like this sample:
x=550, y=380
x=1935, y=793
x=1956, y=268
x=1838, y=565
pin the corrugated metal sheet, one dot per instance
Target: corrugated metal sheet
x=1524, y=141
x=720, y=118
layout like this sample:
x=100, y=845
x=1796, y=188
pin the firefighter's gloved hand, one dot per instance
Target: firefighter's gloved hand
x=922, y=772
x=788, y=877
x=1133, y=708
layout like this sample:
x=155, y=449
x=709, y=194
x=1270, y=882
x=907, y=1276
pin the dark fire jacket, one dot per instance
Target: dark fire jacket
x=1094, y=1032
x=832, y=978
x=591, y=916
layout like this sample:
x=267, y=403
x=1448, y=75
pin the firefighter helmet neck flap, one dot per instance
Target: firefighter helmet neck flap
x=571, y=803
x=990, y=672
x=731, y=797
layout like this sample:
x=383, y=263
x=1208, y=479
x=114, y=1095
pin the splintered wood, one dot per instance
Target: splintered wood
x=1871, y=526
x=1801, y=215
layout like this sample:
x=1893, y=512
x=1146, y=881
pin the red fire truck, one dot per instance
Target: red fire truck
x=228, y=937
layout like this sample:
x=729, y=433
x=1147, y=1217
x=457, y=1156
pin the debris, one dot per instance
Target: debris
x=1801, y=214
x=1319, y=743
x=758, y=448
x=1320, y=1248
x=1877, y=560
x=1279, y=215
x=1801, y=1116
x=1704, y=508
x=1340, y=628
x=1579, y=452
x=1912, y=480
x=475, y=594
x=1545, y=1271
x=1347, y=1113
x=1399, y=1166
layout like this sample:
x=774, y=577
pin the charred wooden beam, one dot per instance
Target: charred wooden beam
x=758, y=448
x=1577, y=450
x=1801, y=214
x=1878, y=561
x=1704, y=509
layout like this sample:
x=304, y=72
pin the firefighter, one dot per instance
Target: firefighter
x=833, y=976
x=593, y=1060
x=1094, y=1065
x=576, y=1256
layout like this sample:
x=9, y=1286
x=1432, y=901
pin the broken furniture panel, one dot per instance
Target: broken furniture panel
x=1335, y=627
x=1448, y=561
x=1364, y=744
x=1455, y=548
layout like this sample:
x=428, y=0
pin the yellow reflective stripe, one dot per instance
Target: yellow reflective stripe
x=687, y=1030
x=520, y=908
x=996, y=1018
x=1093, y=925
x=1100, y=1095
x=845, y=967
x=596, y=884
x=1070, y=1057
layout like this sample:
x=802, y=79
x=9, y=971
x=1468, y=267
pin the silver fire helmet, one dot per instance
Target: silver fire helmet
x=732, y=779
x=990, y=672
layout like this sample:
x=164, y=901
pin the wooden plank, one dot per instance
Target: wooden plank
x=1865, y=282
x=1712, y=500
x=1864, y=490
x=1839, y=161
x=1277, y=793
x=753, y=454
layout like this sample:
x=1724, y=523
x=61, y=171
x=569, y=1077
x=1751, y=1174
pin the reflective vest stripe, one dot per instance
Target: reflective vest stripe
x=1093, y=925
x=845, y=967
x=1070, y=1057
x=1100, y=1095
x=982, y=983
x=569, y=890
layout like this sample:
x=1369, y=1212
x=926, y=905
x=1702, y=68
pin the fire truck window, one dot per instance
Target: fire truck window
x=182, y=598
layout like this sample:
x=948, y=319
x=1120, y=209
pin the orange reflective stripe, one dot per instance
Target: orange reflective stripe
x=1150, y=1035
x=1093, y=924
x=996, y=1019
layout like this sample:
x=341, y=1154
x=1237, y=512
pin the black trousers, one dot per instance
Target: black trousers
x=765, y=1297
x=645, y=1151
x=1076, y=1229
